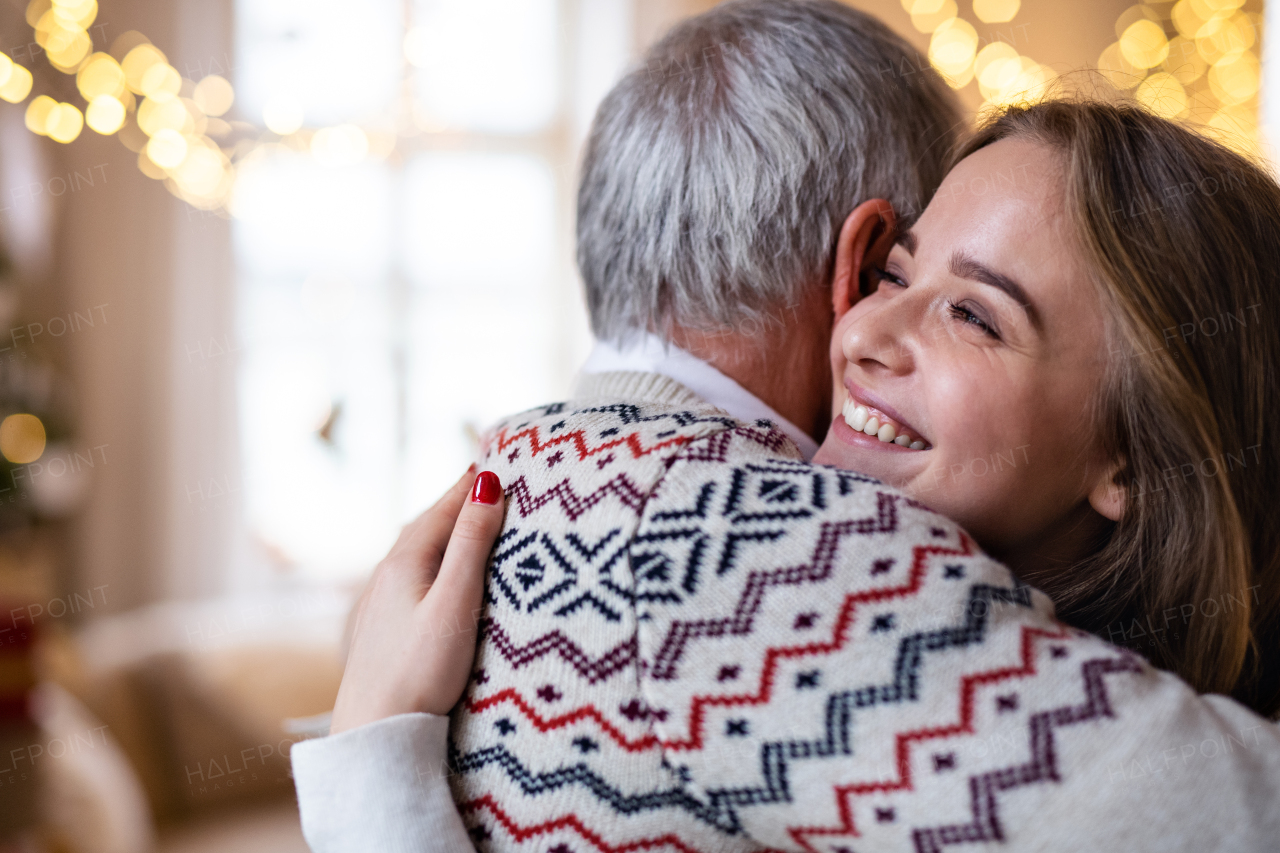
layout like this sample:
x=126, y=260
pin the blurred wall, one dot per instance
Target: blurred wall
x=146, y=393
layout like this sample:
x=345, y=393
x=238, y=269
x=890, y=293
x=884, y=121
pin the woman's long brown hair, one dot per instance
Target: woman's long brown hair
x=1183, y=238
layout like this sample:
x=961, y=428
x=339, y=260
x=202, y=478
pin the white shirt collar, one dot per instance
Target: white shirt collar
x=651, y=354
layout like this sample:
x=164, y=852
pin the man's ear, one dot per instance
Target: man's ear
x=1108, y=497
x=865, y=239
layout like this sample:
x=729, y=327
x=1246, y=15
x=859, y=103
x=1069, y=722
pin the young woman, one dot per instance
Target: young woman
x=1084, y=324
x=1071, y=353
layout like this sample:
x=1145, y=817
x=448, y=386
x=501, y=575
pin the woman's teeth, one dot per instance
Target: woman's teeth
x=860, y=419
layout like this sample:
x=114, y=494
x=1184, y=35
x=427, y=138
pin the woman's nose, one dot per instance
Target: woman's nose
x=885, y=337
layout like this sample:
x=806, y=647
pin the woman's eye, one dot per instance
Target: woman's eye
x=879, y=275
x=964, y=315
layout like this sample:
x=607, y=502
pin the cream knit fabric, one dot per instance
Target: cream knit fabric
x=695, y=641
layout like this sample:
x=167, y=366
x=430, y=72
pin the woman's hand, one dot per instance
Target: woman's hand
x=414, y=634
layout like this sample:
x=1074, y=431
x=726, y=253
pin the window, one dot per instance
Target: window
x=405, y=259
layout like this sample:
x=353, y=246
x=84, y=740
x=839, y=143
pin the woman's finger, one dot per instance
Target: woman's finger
x=459, y=586
x=414, y=640
x=418, y=550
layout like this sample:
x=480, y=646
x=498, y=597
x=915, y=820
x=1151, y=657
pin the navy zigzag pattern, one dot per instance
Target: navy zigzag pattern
x=742, y=620
x=836, y=739
x=532, y=784
x=630, y=414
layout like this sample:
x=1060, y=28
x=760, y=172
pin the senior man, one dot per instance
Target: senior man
x=669, y=660
x=716, y=179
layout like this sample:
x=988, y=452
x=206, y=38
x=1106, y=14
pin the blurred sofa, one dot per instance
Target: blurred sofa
x=196, y=706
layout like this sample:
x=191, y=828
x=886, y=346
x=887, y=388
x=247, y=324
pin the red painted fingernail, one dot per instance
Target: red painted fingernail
x=487, y=489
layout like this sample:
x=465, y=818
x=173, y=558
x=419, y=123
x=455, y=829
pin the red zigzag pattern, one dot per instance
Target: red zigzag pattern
x=572, y=822
x=578, y=439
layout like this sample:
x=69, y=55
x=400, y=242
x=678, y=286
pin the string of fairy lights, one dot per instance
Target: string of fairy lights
x=131, y=91
x=1190, y=59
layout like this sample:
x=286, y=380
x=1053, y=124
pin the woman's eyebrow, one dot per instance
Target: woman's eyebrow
x=964, y=266
x=907, y=240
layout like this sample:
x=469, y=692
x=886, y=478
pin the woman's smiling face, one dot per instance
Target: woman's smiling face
x=982, y=339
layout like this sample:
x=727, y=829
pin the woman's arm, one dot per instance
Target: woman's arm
x=380, y=779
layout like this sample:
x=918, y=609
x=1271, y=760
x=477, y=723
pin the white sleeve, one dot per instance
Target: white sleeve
x=381, y=787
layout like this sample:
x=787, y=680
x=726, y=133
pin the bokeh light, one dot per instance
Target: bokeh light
x=1141, y=11
x=1237, y=127
x=80, y=13
x=214, y=95
x=154, y=116
x=36, y=10
x=1119, y=71
x=928, y=15
x=137, y=62
x=1163, y=95
x=60, y=30
x=167, y=148
x=37, y=115
x=1017, y=81
x=1184, y=61
x=64, y=123
x=1185, y=19
x=201, y=172
x=148, y=167
x=283, y=116
x=160, y=82
x=67, y=47
x=105, y=114
x=1144, y=44
x=197, y=122
x=1221, y=39
x=125, y=42
x=992, y=68
x=996, y=11
x=18, y=85
x=952, y=50
x=1236, y=79
x=101, y=75
x=22, y=438
x=1216, y=8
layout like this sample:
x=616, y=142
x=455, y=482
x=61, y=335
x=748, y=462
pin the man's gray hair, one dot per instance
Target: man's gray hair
x=718, y=173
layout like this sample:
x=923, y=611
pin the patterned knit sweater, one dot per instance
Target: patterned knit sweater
x=696, y=641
